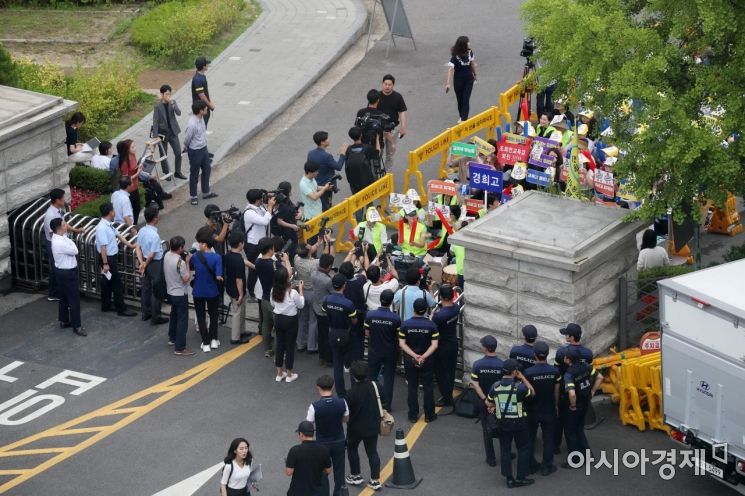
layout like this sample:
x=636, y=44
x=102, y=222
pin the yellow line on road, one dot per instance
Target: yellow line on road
x=168, y=390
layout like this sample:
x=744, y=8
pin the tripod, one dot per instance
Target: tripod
x=525, y=92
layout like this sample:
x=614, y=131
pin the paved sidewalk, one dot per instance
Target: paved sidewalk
x=268, y=67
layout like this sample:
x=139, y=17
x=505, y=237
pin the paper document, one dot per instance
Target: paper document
x=256, y=474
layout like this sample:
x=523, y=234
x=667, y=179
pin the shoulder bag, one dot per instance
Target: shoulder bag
x=220, y=284
x=386, y=419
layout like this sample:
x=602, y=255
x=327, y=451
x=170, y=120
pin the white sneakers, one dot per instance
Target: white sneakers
x=291, y=377
x=280, y=377
x=206, y=348
x=286, y=378
x=215, y=344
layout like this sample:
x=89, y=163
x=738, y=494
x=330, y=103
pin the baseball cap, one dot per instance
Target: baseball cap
x=386, y=297
x=420, y=305
x=572, y=329
x=338, y=281
x=201, y=62
x=509, y=366
x=540, y=348
x=306, y=428
x=530, y=332
x=489, y=342
x=446, y=292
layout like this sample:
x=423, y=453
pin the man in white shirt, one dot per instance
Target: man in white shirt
x=122, y=204
x=256, y=221
x=375, y=284
x=54, y=211
x=66, y=272
x=103, y=159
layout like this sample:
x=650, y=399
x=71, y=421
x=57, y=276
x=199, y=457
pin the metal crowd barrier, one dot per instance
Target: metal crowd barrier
x=30, y=264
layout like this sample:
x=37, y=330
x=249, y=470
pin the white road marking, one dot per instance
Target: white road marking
x=189, y=486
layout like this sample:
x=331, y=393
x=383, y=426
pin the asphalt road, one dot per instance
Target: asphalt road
x=191, y=432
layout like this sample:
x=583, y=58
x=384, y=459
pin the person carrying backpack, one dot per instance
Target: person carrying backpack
x=359, y=162
x=237, y=470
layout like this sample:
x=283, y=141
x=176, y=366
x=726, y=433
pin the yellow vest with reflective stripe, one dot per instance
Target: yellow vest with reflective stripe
x=515, y=409
x=408, y=248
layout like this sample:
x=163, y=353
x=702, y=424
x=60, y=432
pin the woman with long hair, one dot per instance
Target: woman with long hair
x=128, y=166
x=651, y=255
x=286, y=302
x=462, y=72
x=237, y=469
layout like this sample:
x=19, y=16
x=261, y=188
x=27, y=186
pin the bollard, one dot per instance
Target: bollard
x=403, y=471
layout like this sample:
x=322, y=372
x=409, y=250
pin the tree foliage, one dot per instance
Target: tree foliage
x=673, y=60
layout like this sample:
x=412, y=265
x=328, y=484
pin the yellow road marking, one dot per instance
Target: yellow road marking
x=168, y=390
x=411, y=438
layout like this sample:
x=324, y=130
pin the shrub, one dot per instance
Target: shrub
x=8, y=69
x=735, y=253
x=665, y=272
x=92, y=208
x=88, y=178
x=44, y=78
x=179, y=30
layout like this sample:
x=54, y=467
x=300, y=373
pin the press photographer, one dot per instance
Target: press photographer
x=373, y=122
x=311, y=193
x=219, y=221
x=256, y=219
x=285, y=217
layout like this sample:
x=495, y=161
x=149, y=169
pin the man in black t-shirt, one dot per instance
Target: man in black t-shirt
x=308, y=463
x=372, y=121
x=360, y=163
x=285, y=219
x=393, y=105
x=234, y=266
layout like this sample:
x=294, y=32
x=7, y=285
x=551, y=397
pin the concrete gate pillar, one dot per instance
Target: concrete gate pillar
x=545, y=260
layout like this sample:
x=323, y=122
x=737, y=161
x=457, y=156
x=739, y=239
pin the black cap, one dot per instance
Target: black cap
x=386, y=297
x=338, y=281
x=530, y=332
x=510, y=365
x=489, y=342
x=540, y=348
x=201, y=62
x=420, y=305
x=572, y=329
x=306, y=428
x=446, y=292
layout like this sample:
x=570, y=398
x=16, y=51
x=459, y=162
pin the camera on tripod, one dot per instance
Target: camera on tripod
x=528, y=48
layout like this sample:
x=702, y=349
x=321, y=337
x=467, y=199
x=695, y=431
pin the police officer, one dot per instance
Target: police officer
x=341, y=314
x=199, y=89
x=581, y=381
x=418, y=340
x=381, y=328
x=507, y=401
x=573, y=334
x=524, y=353
x=542, y=408
x=65, y=252
x=485, y=372
x=446, y=356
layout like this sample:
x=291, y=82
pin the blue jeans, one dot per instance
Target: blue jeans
x=179, y=322
x=199, y=161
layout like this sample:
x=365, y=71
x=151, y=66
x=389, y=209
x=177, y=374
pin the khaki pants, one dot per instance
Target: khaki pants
x=238, y=320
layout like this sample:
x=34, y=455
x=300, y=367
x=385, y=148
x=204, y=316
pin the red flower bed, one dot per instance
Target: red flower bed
x=80, y=196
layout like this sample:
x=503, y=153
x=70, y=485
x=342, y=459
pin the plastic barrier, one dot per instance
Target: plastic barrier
x=343, y=212
x=726, y=221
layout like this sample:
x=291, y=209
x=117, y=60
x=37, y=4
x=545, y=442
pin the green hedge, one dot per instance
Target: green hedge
x=84, y=177
x=93, y=207
x=8, y=70
x=180, y=30
x=665, y=272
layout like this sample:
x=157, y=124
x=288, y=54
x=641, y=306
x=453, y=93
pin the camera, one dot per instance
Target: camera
x=227, y=216
x=333, y=180
x=277, y=194
x=322, y=229
x=284, y=249
x=184, y=254
x=425, y=279
x=528, y=48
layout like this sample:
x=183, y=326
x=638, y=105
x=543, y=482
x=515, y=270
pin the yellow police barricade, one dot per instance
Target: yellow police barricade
x=509, y=98
x=439, y=144
x=337, y=214
x=380, y=189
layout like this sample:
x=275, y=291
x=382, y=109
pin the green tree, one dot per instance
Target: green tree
x=677, y=61
x=8, y=69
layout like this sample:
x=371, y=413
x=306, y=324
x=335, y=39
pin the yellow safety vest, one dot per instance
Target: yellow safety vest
x=408, y=248
x=377, y=230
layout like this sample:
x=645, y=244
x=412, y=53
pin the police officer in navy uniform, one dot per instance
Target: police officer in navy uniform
x=524, y=353
x=573, y=334
x=381, y=328
x=581, y=380
x=542, y=408
x=507, y=401
x=418, y=340
x=341, y=314
x=485, y=372
x=446, y=356
x=199, y=89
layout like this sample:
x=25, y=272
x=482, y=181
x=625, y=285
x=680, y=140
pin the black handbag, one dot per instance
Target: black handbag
x=468, y=404
x=220, y=284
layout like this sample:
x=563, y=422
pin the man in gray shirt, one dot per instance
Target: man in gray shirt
x=176, y=272
x=195, y=142
x=321, y=279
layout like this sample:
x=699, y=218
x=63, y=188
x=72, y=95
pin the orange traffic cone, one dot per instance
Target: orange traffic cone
x=403, y=471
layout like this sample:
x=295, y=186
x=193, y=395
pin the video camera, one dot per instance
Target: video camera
x=377, y=120
x=277, y=194
x=528, y=48
x=184, y=254
x=227, y=216
x=333, y=180
x=425, y=280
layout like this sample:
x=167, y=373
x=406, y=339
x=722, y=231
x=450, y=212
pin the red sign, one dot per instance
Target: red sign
x=473, y=206
x=509, y=153
x=442, y=188
x=650, y=342
x=604, y=183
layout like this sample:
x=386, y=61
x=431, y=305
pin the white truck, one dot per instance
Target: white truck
x=702, y=315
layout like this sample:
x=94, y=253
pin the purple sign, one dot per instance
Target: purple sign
x=542, y=160
x=538, y=156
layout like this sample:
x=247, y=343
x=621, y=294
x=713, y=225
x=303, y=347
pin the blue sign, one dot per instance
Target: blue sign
x=484, y=178
x=538, y=178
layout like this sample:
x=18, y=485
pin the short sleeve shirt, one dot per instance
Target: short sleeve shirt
x=51, y=214
x=106, y=236
x=149, y=241
x=383, y=326
x=204, y=283
x=234, y=269
x=392, y=105
x=265, y=273
x=408, y=294
x=446, y=320
x=321, y=288
x=174, y=269
x=71, y=138
x=419, y=332
x=309, y=460
x=462, y=65
x=122, y=206
x=198, y=86
x=312, y=208
x=340, y=311
x=487, y=371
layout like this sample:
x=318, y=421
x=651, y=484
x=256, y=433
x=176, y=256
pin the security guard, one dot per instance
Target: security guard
x=418, y=340
x=572, y=333
x=446, y=356
x=381, y=328
x=485, y=372
x=341, y=314
x=507, y=401
x=545, y=379
x=581, y=381
x=524, y=353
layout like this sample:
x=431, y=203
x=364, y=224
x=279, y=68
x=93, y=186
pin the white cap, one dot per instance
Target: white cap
x=413, y=194
x=372, y=215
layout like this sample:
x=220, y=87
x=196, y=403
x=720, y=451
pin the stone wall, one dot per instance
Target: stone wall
x=32, y=156
x=550, y=277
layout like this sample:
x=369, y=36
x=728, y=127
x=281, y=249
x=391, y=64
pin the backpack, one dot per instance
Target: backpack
x=468, y=405
x=372, y=128
x=358, y=168
x=240, y=226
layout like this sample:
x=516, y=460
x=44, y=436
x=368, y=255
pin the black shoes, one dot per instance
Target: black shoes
x=166, y=196
x=443, y=402
x=430, y=419
x=491, y=463
x=159, y=320
x=519, y=482
x=548, y=470
x=80, y=331
x=242, y=340
x=126, y=313
x=178, y=175
x=64, y=325
x=145, y=318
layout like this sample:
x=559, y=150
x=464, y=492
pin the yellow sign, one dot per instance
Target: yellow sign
x=484, y=147
x=515, y=138
x=438, y=144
